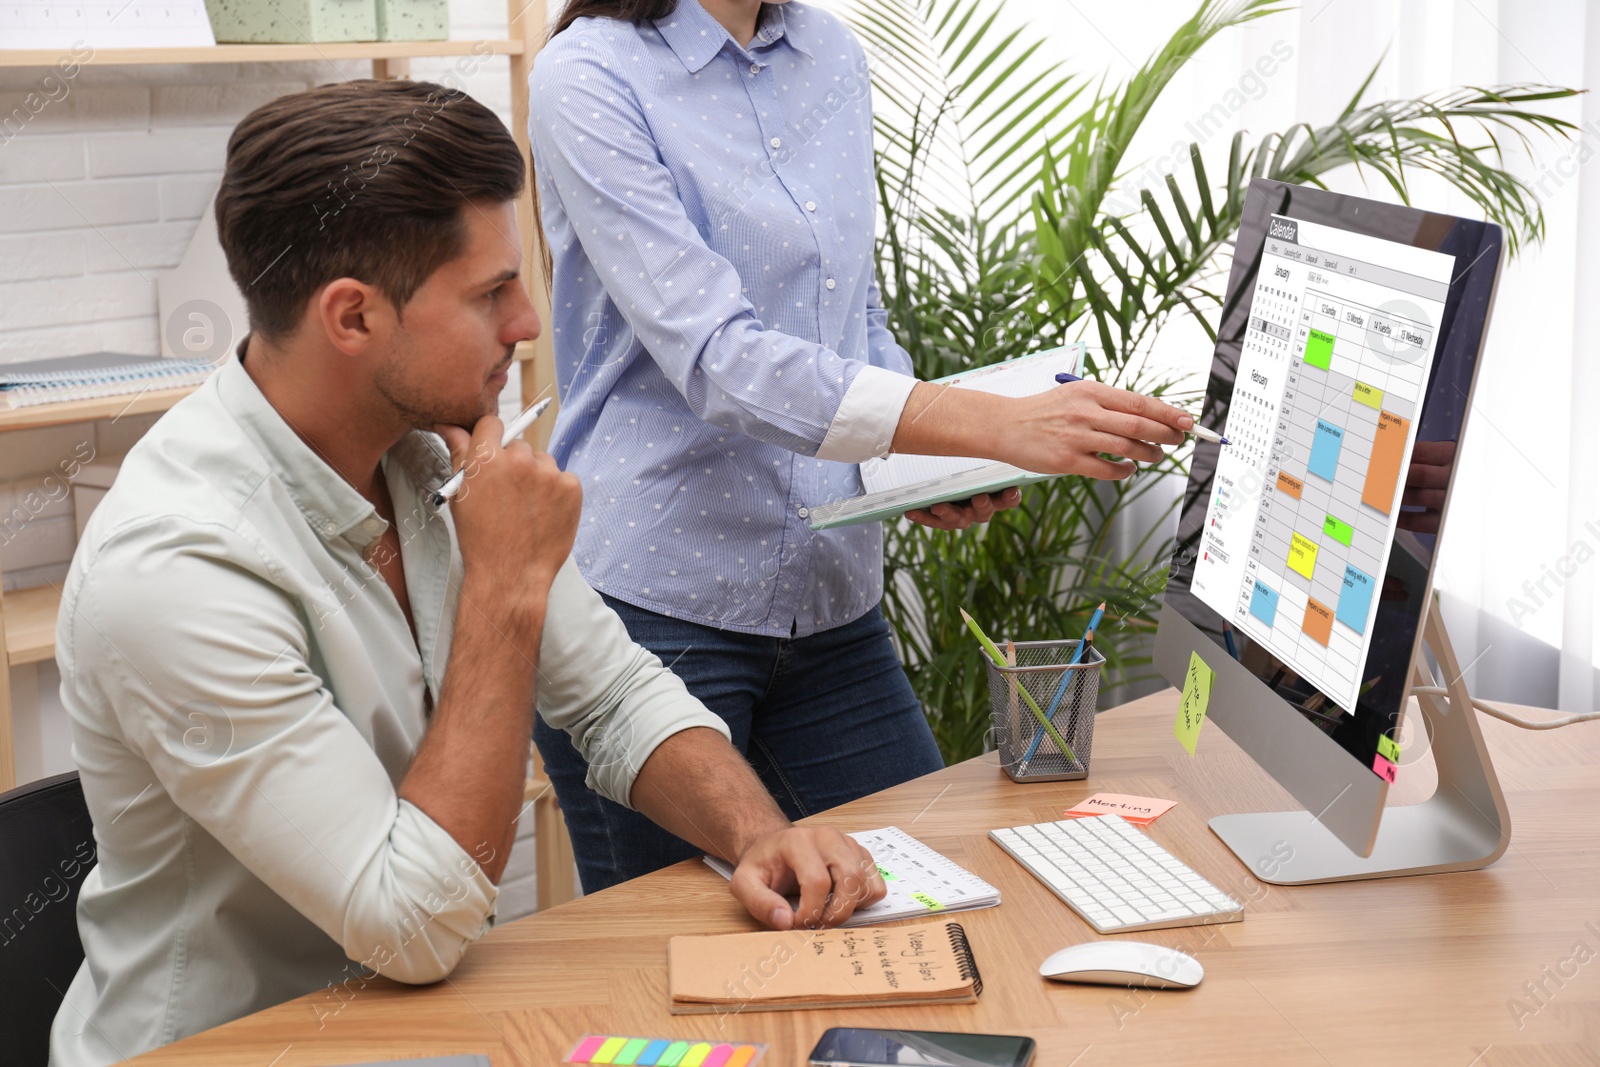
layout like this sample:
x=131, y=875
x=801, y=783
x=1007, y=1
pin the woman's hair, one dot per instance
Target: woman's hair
x=626, y=10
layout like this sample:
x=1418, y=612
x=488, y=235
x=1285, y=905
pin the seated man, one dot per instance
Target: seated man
x=301, y=697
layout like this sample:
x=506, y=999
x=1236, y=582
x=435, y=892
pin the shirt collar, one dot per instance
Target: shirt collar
x=695, y=37
x=332, y=507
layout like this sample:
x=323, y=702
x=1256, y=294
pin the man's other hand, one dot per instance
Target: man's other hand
x=833, y=875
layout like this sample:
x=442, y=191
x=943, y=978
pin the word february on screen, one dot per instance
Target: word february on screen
x=1141, y=811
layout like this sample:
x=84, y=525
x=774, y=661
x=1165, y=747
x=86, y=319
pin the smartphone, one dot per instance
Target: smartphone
x=850, y=1047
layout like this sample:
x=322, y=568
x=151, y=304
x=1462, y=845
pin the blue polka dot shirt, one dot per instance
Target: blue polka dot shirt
x=722, y=355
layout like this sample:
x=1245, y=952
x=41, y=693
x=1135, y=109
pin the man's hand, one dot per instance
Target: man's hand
x=517, y=513
x=956, y=516
x=1060, y=431
x=697, y=786
x=833, y=875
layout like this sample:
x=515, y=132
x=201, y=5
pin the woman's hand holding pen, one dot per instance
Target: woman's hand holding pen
x=1059, y=431
x=1064, y=430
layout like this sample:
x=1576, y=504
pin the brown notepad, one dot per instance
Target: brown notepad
x=930, y=963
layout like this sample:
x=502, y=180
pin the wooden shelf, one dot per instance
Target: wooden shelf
x=105, y=407
x=31, y=625
x=267, y=53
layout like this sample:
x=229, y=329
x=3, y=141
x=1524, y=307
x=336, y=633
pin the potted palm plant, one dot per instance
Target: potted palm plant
x=1012, y=222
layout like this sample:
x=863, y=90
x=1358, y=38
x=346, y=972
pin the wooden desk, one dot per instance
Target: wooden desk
x=1406, y=971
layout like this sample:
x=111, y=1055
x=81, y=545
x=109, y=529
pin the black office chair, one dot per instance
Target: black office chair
x=47, y=841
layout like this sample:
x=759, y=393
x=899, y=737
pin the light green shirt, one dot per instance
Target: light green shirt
x=245, y=697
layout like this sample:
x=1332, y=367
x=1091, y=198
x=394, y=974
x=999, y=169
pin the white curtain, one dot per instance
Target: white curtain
x=1517, y=570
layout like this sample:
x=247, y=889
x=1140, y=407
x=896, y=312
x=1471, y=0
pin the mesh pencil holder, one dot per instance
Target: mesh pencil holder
x=1041, y=668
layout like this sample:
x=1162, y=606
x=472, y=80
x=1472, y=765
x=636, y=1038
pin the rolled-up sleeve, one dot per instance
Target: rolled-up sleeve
x=612, y=696
x=593, y=147
x=219, y=695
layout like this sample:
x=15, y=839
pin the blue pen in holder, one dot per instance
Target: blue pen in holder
x=1044, y=669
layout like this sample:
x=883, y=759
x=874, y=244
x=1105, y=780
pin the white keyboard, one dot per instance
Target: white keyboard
x=1114, y=876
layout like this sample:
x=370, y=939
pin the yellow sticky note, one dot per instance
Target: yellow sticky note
x=1192, y=707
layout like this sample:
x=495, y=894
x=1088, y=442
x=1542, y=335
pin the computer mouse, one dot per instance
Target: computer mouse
x=1130, y=963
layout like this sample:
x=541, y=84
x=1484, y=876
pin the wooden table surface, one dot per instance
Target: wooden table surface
x=1423, y=970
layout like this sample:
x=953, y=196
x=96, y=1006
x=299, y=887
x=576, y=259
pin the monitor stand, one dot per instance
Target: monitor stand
x=1463, y=826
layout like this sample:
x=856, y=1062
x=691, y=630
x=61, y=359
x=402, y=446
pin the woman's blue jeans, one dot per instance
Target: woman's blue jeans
x=823, y=719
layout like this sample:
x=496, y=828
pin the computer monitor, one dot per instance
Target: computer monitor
x=1302, y=576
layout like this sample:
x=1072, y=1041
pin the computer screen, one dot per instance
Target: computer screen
x=1342, y=375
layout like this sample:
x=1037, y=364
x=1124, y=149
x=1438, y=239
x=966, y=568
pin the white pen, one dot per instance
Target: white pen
x=516, y=429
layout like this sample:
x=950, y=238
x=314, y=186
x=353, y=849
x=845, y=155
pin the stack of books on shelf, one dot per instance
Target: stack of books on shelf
x=50, y=381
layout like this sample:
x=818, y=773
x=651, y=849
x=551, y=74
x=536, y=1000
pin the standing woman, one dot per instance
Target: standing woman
x=724, y=362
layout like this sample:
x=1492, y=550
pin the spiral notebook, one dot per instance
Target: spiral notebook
x=50, y=381
x=769, y=970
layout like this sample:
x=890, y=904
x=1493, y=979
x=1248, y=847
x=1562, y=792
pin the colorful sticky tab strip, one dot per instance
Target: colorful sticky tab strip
x=627, y=1051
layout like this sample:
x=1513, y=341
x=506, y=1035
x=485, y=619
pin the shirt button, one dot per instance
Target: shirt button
x=811, y=205
x=802, y=512
x=330, y=528
x=372, y=526
x=755, y=68
x=776, y=142
x=829, y=283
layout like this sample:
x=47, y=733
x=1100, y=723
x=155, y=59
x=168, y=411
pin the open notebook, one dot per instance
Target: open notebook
x=769, y=970
x=901, y=483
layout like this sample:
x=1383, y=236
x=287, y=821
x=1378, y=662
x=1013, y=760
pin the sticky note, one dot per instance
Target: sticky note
x=1383, y=768
x=1388, y=749
x=888, y=875
x=1302, y=556
x=741, y=1056
x=673, y=1057
x=696, y=1056
x=651, y=1056
x=1192, y=706
x=1139, y=810
x=718, y=1057
x=629, y=1054
x=928, y=902
x=607, y=1053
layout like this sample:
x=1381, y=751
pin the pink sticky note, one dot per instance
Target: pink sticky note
x=1383, y=768
x=719, y=1056
x=1135, y=809
x=586, y=1049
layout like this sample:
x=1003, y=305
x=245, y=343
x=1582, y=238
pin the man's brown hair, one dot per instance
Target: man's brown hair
x=363, y=179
